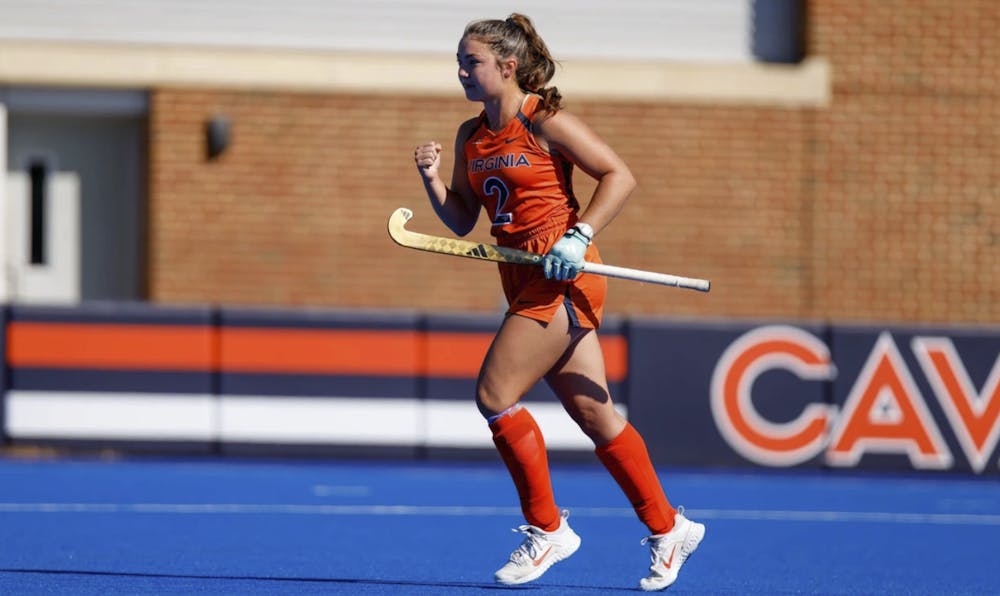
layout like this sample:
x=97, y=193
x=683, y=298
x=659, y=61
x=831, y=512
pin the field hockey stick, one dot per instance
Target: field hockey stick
x=502, y=254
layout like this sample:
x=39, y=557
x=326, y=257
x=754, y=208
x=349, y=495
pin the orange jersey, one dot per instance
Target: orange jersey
x=521, y=185
x=528, y=195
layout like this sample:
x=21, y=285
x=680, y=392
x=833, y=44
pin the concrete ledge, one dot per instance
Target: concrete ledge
x=804, y=84
x=141, y=66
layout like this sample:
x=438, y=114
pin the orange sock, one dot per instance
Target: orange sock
x=520, y=443
x=628, y=461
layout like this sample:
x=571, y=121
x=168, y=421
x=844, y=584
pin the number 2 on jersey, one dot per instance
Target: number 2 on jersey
x=494, y=186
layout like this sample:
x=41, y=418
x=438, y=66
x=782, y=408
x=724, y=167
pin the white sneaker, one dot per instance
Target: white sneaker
x=539, y=551
x=670, y=550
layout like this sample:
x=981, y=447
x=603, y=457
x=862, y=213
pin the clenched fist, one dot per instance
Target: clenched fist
x=428, y=158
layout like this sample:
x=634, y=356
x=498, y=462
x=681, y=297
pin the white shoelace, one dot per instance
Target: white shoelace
x=654, y=554
x=531, y=546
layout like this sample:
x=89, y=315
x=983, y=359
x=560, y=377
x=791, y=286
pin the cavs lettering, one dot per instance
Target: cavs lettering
x=884, y=412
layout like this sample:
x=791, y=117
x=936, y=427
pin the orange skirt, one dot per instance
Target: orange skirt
x=530, y=295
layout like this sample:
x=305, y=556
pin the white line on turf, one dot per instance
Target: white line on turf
x=975, y=519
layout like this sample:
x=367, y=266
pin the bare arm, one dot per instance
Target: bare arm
x=457, y=206
x=568, y=135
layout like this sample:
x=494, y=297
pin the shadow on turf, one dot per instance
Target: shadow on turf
x=316, y=580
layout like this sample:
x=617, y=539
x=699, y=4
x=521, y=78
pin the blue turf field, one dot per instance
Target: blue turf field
x=208, y=526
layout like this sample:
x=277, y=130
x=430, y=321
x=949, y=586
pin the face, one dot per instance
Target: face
x=480, y=74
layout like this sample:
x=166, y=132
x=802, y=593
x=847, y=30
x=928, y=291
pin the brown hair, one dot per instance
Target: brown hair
x=516, y=36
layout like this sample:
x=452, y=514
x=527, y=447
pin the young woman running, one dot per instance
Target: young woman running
x=515, y=160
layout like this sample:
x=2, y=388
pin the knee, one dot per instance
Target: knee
x=490, y=401
x=588, y=418
x=601, y=423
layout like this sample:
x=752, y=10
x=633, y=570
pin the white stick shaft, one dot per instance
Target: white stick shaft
x=652, y=277
x=489, y=252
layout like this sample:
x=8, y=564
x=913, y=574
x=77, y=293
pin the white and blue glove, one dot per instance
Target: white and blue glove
x=565, y=260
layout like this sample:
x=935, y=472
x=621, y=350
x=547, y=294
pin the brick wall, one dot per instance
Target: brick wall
x=883, y=205
x=904, y=174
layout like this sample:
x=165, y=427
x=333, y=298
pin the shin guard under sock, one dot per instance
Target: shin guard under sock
x=520, y=443
x=628, y=461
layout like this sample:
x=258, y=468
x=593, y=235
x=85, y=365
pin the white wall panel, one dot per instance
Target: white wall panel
x=691, y=30
x=83, y=415
x=320, y=420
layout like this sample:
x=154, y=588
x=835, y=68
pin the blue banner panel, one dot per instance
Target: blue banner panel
x=729, y=394
x=113, y=312
x=111, y=381
x=916, y=398
x=311, y=385
x=317, y=319
x=702, y=393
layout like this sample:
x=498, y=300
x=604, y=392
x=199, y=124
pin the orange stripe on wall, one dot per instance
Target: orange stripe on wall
x=267, y=350
x=615, y=349
x=127, y=346
x=320, y=351
x=459, y=355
